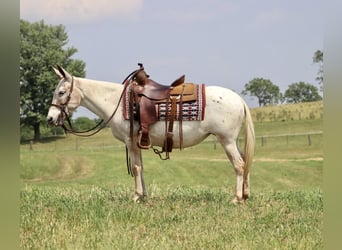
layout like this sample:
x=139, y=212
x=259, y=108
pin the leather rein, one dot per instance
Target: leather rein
x=97, y=128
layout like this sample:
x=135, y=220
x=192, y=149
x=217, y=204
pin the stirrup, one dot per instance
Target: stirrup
x=148, y=142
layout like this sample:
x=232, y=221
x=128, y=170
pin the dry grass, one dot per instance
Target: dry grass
x=289, y=112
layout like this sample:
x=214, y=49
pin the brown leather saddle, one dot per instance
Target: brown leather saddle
x=146, y=93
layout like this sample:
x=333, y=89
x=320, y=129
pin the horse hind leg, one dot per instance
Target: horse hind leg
x=246, y=191
x=242, y=181
x=246, y=186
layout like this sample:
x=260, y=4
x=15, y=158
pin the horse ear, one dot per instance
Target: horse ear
x=59, y=75
x=62, y=73
x=61, y=70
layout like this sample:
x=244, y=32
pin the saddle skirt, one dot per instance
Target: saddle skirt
x=191, y=109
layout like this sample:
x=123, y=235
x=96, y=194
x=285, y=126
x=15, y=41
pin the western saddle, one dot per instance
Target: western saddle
x=145, y=94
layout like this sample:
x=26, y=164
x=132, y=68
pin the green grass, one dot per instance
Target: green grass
x=180, y=218
x=287, y=127
x=76, y=194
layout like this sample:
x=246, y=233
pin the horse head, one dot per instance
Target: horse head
x=66, y=98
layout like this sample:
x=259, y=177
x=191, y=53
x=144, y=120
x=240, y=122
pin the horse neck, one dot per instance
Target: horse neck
x=99, y=97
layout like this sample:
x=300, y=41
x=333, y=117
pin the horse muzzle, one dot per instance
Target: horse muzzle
x=55, y=117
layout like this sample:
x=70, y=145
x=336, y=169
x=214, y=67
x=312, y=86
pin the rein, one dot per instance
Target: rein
x=97, y=127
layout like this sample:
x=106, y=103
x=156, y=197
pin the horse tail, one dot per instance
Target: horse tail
x=249, y=139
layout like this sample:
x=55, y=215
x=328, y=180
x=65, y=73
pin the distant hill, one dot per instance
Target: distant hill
x=286, y=112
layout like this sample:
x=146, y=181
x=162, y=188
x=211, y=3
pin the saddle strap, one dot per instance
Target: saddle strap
x=180, y=120
x=171, y=117
x=131, y=110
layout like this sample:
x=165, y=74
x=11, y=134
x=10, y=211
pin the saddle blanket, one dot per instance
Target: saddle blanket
x=191, y=111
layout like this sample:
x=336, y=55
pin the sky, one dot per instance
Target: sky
x=216, y=42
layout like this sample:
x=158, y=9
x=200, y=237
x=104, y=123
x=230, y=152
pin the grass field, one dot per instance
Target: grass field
x=76, y=194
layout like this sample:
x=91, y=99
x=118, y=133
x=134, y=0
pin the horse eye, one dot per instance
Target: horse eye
x=61, y=93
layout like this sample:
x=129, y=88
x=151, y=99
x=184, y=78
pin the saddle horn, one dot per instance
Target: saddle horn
x=141, y=71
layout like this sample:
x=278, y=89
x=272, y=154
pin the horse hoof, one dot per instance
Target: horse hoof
x=237, y=200
x=245, y=196
x=138, y=198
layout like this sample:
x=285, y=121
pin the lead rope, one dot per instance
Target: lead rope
x=81, y=133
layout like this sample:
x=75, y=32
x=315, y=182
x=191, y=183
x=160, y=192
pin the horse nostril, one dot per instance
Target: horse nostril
x=49, y=119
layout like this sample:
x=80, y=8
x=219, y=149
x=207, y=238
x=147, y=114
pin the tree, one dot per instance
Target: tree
x=301, y=92
x=266, y=92
x=318, y=59
x=42, y=46
x=83, y=123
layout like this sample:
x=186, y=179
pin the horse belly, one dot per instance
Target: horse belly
x=192, y=134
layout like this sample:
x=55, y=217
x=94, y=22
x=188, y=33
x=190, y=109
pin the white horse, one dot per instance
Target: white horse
x=224, y=115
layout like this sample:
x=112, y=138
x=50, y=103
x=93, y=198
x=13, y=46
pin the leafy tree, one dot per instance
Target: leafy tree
x=83, y=123
x=42, y=46
x=301, y=92
x=266, y=92
x=318, y=58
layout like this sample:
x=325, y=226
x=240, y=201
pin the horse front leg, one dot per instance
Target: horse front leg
x=137, y=171
x=140, y=189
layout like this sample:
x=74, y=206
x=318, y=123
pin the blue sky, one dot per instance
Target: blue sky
x=216, y=42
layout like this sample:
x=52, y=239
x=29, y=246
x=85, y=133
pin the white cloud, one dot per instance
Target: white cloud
x=79, y=10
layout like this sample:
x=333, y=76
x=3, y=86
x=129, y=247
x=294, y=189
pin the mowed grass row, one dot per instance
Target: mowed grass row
x=108, y=168
x=80, y=197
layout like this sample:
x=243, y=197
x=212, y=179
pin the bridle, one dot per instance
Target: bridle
x=65, y=115
x=63, y=107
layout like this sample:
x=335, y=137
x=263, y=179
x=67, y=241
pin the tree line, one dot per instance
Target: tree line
x=43, y=46
x=268, y=93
